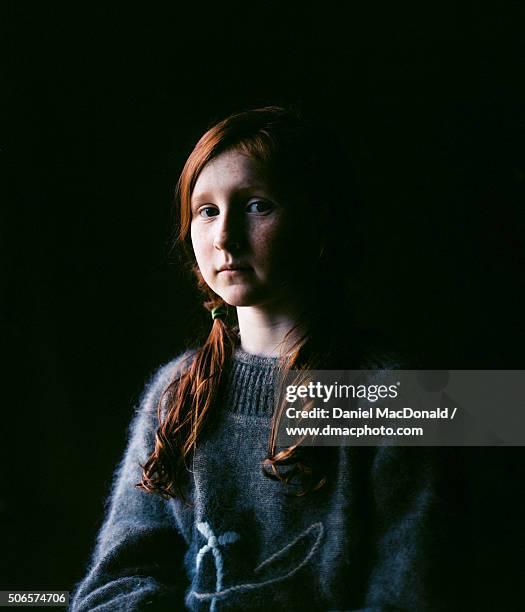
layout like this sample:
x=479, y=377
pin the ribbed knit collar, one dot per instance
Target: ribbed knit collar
x=250, y=384
x=256, y=360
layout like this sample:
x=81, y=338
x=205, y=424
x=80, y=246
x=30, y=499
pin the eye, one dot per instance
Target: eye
x=260, y=207
x=208, y=211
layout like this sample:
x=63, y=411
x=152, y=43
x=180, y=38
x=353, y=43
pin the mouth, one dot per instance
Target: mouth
x=233, y=269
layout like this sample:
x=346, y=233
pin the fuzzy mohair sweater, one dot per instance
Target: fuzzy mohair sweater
x=387, y=531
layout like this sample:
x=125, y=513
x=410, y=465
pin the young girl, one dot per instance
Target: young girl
x=206, y=512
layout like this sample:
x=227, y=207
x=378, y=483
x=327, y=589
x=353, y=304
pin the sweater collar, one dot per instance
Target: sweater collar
x=250, y=384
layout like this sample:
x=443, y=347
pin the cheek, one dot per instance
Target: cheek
x=264, y=243
x=269, y=239
x=287, y=251
x=200, y=248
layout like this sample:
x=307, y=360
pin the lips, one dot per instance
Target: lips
x=234, y=268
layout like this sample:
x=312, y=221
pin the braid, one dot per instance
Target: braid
x=190, y=398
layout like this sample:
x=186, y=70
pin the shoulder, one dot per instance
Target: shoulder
x=145, y=420
x=164, y=375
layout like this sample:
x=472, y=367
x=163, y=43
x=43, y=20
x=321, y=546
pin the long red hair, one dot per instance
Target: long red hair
x=292, y=153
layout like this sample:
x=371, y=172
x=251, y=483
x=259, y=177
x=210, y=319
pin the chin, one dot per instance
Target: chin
x=240, y=297
x=239, y=301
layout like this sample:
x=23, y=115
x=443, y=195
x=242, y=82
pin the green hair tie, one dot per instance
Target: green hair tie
x=219, y=312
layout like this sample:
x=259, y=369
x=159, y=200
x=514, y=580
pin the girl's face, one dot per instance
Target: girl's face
x=243, y=236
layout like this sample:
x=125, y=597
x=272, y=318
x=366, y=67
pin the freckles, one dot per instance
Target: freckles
x=261, y=237
x=266, y=236
x=265, y=246
x=198, y=239
x=202, y=258
x=193, y=235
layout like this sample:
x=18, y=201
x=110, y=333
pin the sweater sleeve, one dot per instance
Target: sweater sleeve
x=138, y=558
x=421, y=550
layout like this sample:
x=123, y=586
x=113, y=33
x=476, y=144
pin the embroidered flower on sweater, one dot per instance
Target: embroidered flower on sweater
x=214, y=544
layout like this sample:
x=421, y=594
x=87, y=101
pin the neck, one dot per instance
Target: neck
x=263, y=332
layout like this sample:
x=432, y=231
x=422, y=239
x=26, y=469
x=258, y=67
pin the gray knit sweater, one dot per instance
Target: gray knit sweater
x=370, y=539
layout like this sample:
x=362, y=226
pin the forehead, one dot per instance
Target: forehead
x=228, y=172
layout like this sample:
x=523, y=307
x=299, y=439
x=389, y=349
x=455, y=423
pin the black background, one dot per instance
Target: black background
x=103, y=106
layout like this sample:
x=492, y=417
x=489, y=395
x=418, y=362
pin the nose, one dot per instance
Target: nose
x=228, y=235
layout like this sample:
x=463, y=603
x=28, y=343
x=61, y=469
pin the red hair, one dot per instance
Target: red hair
x=287, y=148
